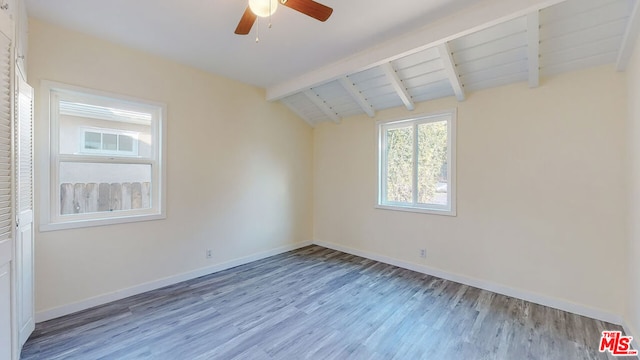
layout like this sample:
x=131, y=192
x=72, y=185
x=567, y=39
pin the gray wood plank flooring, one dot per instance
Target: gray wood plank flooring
x=317, y=303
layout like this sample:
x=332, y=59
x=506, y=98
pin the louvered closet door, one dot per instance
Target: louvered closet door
x=24, y=209
x=7, y=335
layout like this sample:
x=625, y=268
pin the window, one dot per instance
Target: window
x=109, y=142
x=416, y=164
x=105, y=163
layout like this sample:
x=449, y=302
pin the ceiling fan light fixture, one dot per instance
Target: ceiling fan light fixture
x=263, y=8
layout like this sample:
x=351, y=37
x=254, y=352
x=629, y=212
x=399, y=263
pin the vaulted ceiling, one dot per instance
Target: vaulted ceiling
x=567, y=36
x=367, y=58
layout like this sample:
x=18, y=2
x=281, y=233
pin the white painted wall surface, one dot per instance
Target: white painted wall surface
x=633, y=288
x=541, y=191
x=239, y=173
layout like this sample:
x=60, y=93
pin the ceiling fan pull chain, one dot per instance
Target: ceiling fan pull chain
x=270, y=13
x=257, y=31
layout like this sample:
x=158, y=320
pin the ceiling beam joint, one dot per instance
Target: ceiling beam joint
x=322, y=105
x=533, y=48
x=629, y=39
x=450, y=69
x=398, y=86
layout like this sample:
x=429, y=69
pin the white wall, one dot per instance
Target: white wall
x=239, y=172
x=541, y=199
x=633, y=299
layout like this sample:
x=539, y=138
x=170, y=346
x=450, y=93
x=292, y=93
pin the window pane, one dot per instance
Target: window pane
x=432, y=163
x=92, y=140
x=399, y=165
x=98, y=187
x=109, y=142
x=125, y=143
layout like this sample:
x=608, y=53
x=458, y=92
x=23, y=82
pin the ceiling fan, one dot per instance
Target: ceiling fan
x=265, y=8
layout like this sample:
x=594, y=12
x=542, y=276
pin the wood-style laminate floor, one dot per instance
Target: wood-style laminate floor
x=316, y=303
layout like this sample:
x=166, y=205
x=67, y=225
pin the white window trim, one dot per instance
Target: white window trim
x=49, y=192
x=451, y=164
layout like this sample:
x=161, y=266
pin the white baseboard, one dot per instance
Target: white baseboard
x=156, y=284
x=555, y=303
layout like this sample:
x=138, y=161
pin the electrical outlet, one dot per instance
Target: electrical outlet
x=209, y=253
x=423, y=253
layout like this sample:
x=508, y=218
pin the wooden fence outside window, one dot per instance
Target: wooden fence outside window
x=81, y=198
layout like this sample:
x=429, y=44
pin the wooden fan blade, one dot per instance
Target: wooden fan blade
x=310, y=8
x=246, y=22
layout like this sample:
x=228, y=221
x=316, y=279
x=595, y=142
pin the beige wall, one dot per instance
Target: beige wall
x=541, y=198
x=239, y=172
x=633, y=300
x=541, y=190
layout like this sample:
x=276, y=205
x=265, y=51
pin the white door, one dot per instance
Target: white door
x=6, y=251
x=24, y=209
x=8, y=339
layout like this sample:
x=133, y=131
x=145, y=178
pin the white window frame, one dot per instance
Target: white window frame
x=50, y=158
x=102, y=131
x=383, y=125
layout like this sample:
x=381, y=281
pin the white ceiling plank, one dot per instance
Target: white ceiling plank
x=450, y=69
x=507, y=57
x=558, y=67
x=365, y=75
x=425, y=79
x=629, y=39
x=493, y=33
x=483, y=15
x=570, y=9
x=311, y=95
x=300, y=114
x=372, y=83
x=357, y=96
x=559, y=41
x=581, y=22
x=435, y=90
x=499, y=81
x=386, y=102
x=425, y=56
x=373, y=93
x=611, y=45
x=533, y=48
x=419, y=69
x=491, y=48
x=495, y=72
x=402, y=92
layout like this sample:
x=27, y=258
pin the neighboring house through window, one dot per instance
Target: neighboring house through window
x=109, y=142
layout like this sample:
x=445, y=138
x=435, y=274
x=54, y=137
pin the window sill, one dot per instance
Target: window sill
x=99, y=222
x=417, y=210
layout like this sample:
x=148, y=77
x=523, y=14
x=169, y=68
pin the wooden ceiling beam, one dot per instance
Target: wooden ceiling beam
x=482, y=15
x=355, y=93
x=398, y=86
x=533, y=48
x=450, y=69
x=629, y=39
x=322, y=105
